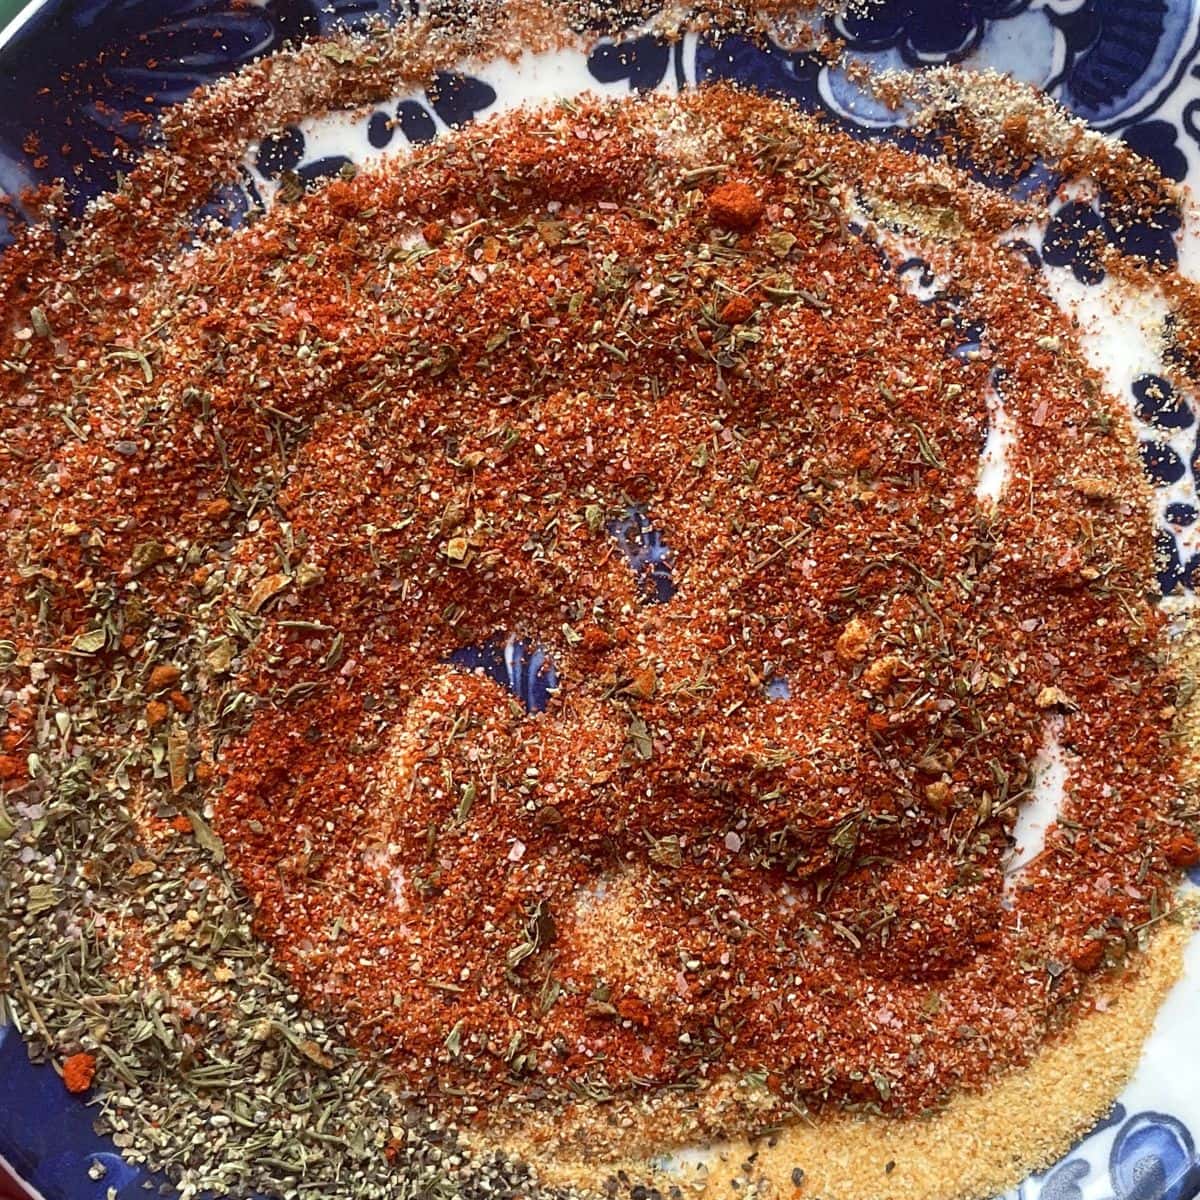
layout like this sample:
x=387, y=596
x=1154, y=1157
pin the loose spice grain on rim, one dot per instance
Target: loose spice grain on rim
x=436, y=454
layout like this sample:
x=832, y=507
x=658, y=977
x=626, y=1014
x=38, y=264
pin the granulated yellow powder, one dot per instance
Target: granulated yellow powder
x=979, y=1145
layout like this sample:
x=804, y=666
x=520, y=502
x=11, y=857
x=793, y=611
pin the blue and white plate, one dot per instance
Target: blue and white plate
x=72, y=70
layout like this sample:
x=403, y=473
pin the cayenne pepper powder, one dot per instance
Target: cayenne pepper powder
x=675, y=871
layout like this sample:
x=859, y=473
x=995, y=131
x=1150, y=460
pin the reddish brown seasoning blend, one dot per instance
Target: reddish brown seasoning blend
x=405, y=415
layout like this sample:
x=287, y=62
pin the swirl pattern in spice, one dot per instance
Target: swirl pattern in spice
x=763, y=825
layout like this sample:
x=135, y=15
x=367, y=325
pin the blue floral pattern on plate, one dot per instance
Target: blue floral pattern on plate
x=1153, y=1157
x=1108, y=60
x=82, y=81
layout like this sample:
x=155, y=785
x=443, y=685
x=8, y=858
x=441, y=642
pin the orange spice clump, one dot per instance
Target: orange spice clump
x=736, y=206
x=737, y=309
x=1183, y=850
x=79, y=1072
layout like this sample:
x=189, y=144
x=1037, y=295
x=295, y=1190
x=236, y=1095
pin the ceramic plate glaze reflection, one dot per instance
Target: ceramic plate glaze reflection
x=72, y=72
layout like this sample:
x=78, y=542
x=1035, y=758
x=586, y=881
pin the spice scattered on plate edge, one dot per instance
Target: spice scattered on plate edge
x=760, y=827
